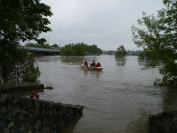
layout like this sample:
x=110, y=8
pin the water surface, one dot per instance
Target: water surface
x=117, y=100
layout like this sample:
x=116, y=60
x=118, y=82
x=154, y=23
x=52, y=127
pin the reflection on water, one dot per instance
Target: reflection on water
x=120, y=61
x=169, y=99
x=71, y=59
x=149, y=63
x=92, y=73
x=113, y=99
x=70, y=127
x=139, y=125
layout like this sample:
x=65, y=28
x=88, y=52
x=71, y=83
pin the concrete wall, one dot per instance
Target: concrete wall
x=163, y=123
x=23, y=115
x=10, y=89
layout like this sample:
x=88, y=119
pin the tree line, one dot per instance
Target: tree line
x=42, y=45
x=80, y=49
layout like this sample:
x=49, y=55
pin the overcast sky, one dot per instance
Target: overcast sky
x=106, y=23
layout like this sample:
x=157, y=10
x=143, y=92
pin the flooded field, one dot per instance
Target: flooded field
x=117, y=99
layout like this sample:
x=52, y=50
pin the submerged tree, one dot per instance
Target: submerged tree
x=121, y=51
x=21, y=20
x=158, y=36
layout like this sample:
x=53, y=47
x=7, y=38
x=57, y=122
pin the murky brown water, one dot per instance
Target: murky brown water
x=117, y=100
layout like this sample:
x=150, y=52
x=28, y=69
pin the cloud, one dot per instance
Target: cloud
x=106, y=23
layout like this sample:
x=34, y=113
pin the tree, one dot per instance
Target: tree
x=38, y=45
x=80, y=49
x=21, y=20
x=121, y=51
x=55, y=46
x=158, y=36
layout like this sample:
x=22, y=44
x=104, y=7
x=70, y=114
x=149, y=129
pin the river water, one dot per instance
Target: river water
x=117, y=99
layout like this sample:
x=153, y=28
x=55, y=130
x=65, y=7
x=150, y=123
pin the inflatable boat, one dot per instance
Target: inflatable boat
x=91, y=68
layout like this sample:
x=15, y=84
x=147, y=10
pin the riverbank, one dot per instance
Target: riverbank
x=20, y=114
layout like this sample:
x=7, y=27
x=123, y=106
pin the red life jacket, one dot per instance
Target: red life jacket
x=98, y=65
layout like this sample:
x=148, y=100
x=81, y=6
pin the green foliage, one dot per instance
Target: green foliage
x=80, y=49
x=24, y=70
x=158, y=36
x=38, y=45
x=10, y=59
x=21, y=20
x=93, y=50
x=31, y=69
x=42, y=45
x=68, y=51
x=55, y=46
x=121, y=51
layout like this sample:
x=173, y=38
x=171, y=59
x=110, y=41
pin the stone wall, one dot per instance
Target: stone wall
x=1, y=79
x=24, y=115
x=165, y=122
x=9, y=89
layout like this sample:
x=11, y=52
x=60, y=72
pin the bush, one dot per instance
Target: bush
x=80, y=49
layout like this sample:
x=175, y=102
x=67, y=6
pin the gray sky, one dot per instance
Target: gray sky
x=106, y=23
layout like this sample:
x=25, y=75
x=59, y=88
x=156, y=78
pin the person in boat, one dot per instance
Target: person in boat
x=93, y=64
x=98, y=64
x=86, y=63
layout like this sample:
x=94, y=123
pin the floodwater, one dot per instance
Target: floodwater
x=117, y=99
